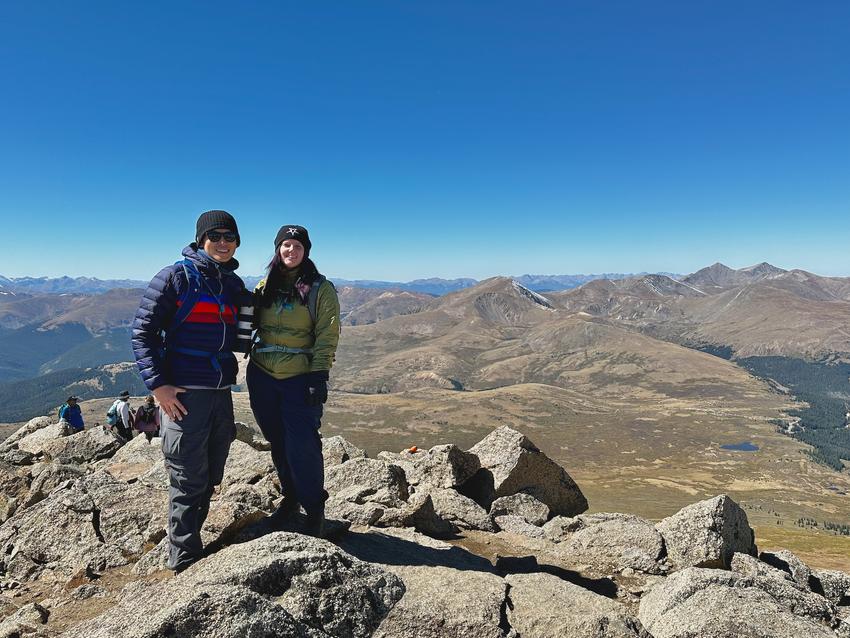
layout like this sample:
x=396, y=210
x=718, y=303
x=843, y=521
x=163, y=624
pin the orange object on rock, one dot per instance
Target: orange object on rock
x=413, y=449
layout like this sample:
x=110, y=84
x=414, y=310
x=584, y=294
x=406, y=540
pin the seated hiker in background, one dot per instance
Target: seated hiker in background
x=297, y=318
x=118, y=416
x=71, y=412
x=147, y=418
x=184, y=334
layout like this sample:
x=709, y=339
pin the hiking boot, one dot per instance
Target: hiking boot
x=314, y=525
x=284, y=512
x=186, y=564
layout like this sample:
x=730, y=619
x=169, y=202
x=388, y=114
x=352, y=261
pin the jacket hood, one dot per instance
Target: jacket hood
x=204, y=262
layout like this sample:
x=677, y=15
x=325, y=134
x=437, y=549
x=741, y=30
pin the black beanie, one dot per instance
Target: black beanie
x=213, y=219
x=293, y=231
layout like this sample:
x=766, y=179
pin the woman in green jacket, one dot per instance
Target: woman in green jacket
x=296, y=312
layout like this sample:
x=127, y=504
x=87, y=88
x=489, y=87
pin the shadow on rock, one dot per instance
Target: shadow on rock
x=296, y=523
x=389, y=549
x=506, y=565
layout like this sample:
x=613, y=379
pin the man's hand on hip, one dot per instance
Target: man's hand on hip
x=166, y=396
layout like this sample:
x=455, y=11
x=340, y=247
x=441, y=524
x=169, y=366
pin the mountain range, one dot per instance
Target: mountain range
x=60, y=285
x=756, y=311
x=430, y=286
x=499, y=332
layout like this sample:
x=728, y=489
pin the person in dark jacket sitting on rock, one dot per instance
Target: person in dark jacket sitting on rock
x=71, y=412
x=297, y=317
x=147, y=418
x=183, y=338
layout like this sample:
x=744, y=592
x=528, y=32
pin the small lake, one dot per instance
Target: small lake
x=741, y=447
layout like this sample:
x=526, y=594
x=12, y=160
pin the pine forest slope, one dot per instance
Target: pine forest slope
x=23, y=399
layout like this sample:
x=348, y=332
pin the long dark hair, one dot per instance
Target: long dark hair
x=276, y=286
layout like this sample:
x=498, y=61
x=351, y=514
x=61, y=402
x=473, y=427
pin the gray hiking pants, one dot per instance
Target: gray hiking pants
x=195, y=450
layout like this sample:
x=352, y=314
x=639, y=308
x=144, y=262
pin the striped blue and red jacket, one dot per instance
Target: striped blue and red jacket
x=208, y=332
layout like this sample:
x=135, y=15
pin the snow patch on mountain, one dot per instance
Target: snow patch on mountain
x=535, y=297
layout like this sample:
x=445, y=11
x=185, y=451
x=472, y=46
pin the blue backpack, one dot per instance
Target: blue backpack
x=187, y=302
x=112, y=414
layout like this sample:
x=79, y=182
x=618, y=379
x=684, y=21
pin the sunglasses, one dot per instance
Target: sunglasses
x=215, y=237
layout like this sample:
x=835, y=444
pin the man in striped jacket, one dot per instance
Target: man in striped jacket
x=184, y=333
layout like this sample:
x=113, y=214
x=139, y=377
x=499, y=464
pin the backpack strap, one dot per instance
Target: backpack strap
x=192, y=294
x=214, y=357
x=313, y=298
x=313, y=302
x=259, y=346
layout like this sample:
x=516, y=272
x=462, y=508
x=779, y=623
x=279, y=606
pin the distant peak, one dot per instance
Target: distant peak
x=763, y=267
x=710, y=274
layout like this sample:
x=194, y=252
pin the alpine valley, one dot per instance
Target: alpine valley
x=656, y=390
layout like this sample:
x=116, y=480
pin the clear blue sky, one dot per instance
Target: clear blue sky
x=420, y=139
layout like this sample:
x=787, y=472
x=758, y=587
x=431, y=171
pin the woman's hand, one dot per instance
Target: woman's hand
x=317, y=388
x=166, y=396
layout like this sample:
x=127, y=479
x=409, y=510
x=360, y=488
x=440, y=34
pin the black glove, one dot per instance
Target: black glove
x=317, y=387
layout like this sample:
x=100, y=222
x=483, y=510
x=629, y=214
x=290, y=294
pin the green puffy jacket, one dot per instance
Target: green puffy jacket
x=290, y=325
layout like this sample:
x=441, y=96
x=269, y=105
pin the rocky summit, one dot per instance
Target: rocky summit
x=494, y=541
